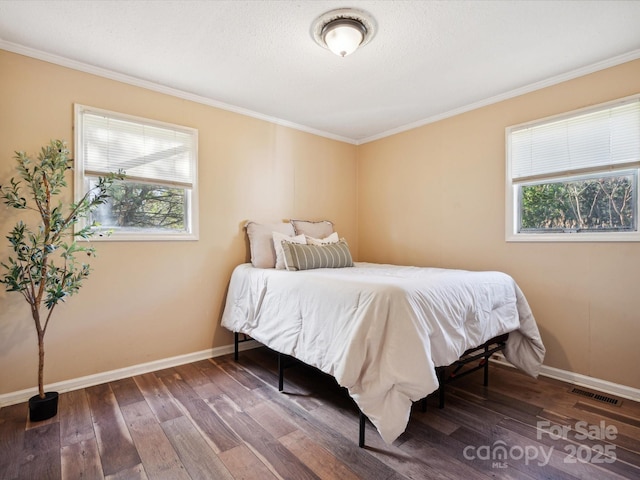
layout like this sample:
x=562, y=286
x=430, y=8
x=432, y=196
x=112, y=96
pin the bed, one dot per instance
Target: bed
x=383, y=331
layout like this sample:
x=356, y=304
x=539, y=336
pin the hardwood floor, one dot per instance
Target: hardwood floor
x=217, y=419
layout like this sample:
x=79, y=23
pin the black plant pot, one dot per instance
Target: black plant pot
x=43, y=408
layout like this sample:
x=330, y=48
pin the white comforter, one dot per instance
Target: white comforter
x=381, y=329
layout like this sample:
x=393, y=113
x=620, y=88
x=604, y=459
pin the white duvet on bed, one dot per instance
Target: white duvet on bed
x=381, y=329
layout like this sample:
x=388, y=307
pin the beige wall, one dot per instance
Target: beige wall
x=151, y=300
x=435, y=196
x=430, y=196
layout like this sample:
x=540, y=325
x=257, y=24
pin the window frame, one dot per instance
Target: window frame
x=148, y=234
x=512, y=205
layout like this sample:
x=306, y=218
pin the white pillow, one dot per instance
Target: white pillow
x=278, y=238
x=333, y=238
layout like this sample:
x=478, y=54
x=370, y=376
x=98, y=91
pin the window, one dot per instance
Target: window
x=574, y=177
x=158, y=198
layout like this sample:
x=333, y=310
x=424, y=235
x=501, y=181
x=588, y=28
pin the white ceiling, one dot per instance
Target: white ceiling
x=428, y=60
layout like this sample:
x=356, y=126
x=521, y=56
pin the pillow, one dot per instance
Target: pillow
x=306, y=257
x=333, y=238
x=278, y=238
x=263, y=254
x=320, y=229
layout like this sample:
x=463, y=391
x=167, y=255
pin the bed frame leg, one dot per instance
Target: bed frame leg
x=363, y=420
x=280, y=372
x=236, y=341
x=441, y=387
x=486, y=365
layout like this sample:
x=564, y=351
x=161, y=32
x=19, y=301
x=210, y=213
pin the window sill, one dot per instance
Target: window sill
x=144, y=237
x=573, y=237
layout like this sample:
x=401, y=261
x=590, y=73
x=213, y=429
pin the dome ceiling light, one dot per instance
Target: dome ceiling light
x=344, y=30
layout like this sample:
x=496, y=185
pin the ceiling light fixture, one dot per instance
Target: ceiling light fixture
x=344, y=30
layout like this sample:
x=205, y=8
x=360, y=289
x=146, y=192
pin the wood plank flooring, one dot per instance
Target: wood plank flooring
x=217, y=419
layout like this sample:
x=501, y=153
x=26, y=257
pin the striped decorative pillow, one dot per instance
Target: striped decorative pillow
x=305, y=257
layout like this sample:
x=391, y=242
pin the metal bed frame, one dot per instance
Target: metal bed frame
x=446, y=375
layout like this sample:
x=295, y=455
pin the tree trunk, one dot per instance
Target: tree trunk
x=41, y=364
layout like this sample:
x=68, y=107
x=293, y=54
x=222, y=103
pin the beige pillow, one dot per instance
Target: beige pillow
x=333, y=238
x=278, y=238
x=306, y=257
x=320, y=229
x=260, y=235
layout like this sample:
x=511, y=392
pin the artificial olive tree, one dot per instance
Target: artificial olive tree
x=47, y=264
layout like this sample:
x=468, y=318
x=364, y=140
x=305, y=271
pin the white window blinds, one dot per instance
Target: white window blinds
x=146, y=151
x=607, y=136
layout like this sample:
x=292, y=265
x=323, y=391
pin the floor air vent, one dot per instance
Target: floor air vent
x=596, y=396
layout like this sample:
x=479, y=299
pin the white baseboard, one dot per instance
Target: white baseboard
x=578, y=379
x=83, y=382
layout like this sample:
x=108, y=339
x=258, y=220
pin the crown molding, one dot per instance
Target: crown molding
x=127, y=79
x=580, y=72
x=156, y=87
